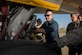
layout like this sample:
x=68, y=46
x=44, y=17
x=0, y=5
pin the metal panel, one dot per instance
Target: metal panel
x=20, y=19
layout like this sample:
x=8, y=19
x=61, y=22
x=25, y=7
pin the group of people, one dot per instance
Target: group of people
x=75, y=24
x=50, y=28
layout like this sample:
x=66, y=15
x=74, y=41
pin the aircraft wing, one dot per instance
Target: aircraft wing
x=49, y=4
x=67, y=7
x=60, y=6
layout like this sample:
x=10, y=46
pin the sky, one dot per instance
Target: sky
x=62, y=19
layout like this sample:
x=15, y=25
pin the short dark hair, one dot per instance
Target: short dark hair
x=48, y=10
x=39, y=20
x=72, y=14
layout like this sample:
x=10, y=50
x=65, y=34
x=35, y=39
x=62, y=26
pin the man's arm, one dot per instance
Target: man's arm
x=71, y=38
x=54, y=33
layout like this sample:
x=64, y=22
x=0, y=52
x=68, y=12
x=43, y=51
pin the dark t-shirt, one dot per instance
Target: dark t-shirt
x=51, y=29
x=71, y=26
